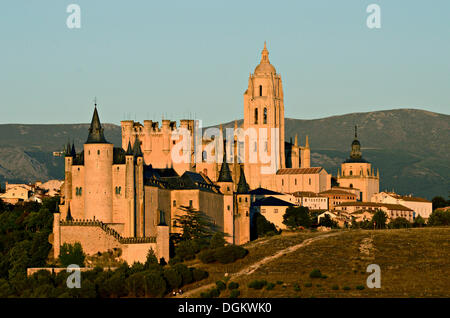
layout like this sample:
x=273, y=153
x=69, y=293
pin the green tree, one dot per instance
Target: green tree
x=151, y=259
x=194, y=224
x=379, y=219
x=400, y=223
x=297, y=216
x=261, y=227
x=72, y=254
x=439, y=218
x=217, y=240
x=328, y=222
x=419, y=221
x=439, y=202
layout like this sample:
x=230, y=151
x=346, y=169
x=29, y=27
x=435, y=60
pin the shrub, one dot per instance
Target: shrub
x=400, y=223
x=199, y=274
x=297, y=287
x=173, y=278
x=324, y=276
x=175, y=260
x=270, y=286
x=207, y=256
x=225, y=255
x=279, y=282
x=335, y=287
x=238, y=251
x=346, y=288
x=235, y=293
x=233, y=285
x=215, y=292
x=315, y=273
x=221, y=285
x=360, y=287
x=308, y=285
x=185, y=273
x=217, y=240
x=257, y=284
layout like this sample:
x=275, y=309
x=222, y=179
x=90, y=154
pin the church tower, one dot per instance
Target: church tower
x=264, y=110
x=356, y=172
x=98, y=160
x=242, y=213
x=225, y=182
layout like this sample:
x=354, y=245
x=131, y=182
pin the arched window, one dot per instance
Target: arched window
x=351, y=172
x=351, y=185
x=260, y=90
x=256, y=115
x=265, y=116
x=204, y=156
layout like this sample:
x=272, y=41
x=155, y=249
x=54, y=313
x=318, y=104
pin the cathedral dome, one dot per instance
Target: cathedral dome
x=264, y=66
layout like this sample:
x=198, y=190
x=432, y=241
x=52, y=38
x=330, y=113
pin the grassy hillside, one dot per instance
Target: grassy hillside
x=413, y=262
x=410, y=147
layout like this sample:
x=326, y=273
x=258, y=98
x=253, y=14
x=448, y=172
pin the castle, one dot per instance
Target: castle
x=129, y=197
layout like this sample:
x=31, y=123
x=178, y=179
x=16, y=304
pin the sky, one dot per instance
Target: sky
x=175, y=59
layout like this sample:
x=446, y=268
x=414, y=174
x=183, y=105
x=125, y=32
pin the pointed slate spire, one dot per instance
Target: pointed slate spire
x=242, y=187
x=137, y=148
x=96, y=131
x=69, y=215
x=73, y=152
x=129, y=150
x=67, y=150
x=225, y=174
x=162, y=219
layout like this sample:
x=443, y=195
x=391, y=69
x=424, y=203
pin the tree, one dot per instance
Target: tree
x=439, y=202
x=261, y=226
x=151, y=258
x=217, y=240
x=379, y=219
x=194, y=224
x=72, y=254
x=400, y=223
x=297, y=216
x=328, y=222
x=419, y=221
x=439, y=218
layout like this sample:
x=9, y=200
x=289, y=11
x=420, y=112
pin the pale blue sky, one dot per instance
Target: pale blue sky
x=146, y=58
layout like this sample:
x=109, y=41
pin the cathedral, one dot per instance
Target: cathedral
x=129, y=197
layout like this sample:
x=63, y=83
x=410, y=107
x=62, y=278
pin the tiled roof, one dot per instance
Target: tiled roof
x=271, y=201
x=262, y=191
x=306, y=194
x=337, y=192
x=374, y=204
x=312, y=170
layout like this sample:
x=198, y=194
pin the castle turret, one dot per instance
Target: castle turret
x=129, y=191
x=225, y=182
x=242, y=215
x=98, y=160
x=139, y=189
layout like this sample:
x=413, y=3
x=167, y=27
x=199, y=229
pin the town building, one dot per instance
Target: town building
x=420, y=206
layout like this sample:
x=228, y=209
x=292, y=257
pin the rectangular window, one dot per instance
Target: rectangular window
x=174, y=203
x=190, y=203
x=263, y=210
x=275, y=211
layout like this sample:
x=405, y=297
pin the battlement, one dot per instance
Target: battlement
x=150, y=126
x=109, y=231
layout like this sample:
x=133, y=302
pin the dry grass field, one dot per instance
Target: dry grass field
x=413, y=262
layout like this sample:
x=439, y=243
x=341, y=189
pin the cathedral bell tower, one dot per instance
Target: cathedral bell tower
x=263, y=110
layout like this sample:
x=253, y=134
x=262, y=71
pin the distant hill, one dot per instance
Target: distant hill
x=410, y=147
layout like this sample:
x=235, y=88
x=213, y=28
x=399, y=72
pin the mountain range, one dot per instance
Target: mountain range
x=410, y=147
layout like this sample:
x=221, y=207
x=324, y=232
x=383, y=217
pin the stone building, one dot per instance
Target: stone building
x=356, y=172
